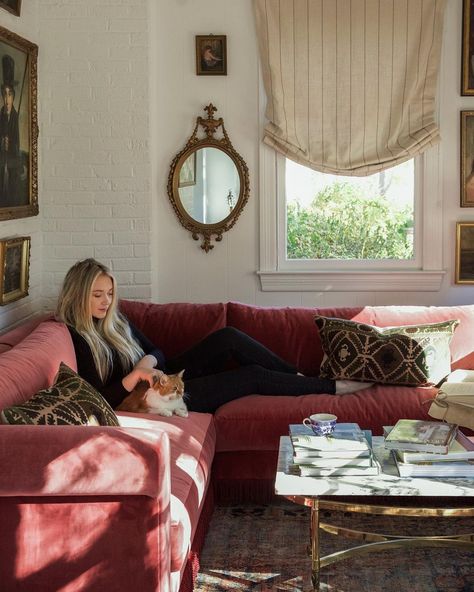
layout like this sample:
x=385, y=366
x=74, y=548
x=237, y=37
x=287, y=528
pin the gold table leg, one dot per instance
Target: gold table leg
x=315, y=555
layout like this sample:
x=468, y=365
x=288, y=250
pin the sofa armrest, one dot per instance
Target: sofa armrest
x=83, y=461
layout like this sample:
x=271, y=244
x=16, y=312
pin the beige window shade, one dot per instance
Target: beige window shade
x=350, y=84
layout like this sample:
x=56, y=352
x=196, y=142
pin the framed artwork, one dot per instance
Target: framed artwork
x=15, y=268
x=464, y=253
x=187, y=174
x=13, y=6
x=467, y=159
x=211, y=55
x=467, y=75
x=18, y=127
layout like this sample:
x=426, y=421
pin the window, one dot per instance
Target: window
x=420, y=270
x=342, y=222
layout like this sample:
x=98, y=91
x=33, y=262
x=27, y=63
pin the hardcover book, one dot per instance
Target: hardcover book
x=421, y=435
x=346, y=436
x=460, y=468
x=316, y=471
x=461, y=448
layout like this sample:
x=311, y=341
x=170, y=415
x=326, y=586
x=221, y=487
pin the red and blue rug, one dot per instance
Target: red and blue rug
x=264, y=549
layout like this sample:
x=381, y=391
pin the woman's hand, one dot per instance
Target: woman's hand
x=138, y=374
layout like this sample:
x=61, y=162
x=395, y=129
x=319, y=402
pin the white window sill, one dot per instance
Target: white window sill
x=351, y=281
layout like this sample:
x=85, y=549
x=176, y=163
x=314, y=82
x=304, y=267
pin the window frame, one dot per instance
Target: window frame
x=426, y=275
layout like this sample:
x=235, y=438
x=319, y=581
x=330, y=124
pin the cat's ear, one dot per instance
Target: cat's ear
x=164, y=379
x=180, y=374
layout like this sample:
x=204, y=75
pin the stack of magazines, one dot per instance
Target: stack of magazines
x=347, y=451
x=430, y=449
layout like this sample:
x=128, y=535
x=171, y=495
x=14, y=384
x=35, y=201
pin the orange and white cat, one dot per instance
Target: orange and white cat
x=165, y=397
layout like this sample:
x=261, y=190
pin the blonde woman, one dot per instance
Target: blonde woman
x=114, y=356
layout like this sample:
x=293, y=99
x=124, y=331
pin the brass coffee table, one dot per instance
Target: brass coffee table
x=324, y=493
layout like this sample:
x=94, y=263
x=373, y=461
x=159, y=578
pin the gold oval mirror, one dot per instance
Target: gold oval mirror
x=208, y=183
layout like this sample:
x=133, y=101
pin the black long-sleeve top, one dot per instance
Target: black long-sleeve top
x=112, y=389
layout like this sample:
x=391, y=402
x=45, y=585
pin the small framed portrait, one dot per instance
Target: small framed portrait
x=18, y=127
x=15, y=268
x=187, y=174
x=211, y=55
x=13, y=6
x=467, y=74
x=464, y=253
x=467, y=159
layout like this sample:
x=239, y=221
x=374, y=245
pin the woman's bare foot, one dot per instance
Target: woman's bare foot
x=350, y=386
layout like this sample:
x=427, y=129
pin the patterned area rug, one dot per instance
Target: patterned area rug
x=263, y=548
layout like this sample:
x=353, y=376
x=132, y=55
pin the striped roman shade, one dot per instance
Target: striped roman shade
x=351, y=84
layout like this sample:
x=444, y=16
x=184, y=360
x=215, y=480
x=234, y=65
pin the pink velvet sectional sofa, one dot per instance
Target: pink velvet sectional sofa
x=127, y=508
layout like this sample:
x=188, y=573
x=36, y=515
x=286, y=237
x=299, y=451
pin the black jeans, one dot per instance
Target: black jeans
x=209, y=383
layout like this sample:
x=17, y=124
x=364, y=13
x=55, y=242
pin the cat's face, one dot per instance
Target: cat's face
x=168, y=387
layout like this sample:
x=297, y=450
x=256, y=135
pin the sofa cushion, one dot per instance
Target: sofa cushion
x=192, y=447
x=412, y=355
x=175, y=327
x=33, y=363
x=70, y=401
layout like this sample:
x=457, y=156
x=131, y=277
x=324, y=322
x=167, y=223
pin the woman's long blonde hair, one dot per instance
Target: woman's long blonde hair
x=102, y=335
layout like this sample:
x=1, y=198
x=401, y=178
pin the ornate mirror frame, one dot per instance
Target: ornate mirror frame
x=211, y=126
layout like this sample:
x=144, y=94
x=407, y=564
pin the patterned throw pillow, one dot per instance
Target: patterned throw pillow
x=413, y=355
x=70, y=401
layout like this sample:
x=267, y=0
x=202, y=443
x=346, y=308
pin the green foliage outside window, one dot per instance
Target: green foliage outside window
x=342, y=223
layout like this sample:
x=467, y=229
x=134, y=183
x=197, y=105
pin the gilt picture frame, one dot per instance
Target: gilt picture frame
x=467, y=159
x=467, y=68
x=14, y=268
x=13, y=6
x=18, y=127
x=211, y=55
x=464, y=271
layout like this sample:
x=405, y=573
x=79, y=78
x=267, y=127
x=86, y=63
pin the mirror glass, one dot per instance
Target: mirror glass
x=209, y=185
x=208, y=182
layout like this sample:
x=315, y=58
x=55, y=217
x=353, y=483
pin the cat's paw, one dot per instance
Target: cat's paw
x=165, y=413
x=181, y=412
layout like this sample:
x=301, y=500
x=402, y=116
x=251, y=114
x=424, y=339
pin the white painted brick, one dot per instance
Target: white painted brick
x=59, y=130
x=93, y=184
x=57, y=211
x=112, y=145
x=74, y=144
x=124, y=278
x=142, y=277
x=91, y=211
x=76, y=225
x=128, y=25
x=103, y=67
x=114, y=252
x=94, y=103
x=55, y=184
x=58, y=156
x=71, y=65
x=142, y=250
x=91, y=131
x=73, y=171
x=130, y=238
x=140, y=39
x=57, y=238
x=130, y=184
x=96, y=79
x=112, y=118
x=92, y=156
x=141, y=225
x=129, y=131
x=129, y=156
x=128, y=52
x=88, y=24
x=68, y=116
x=89, y=238
x=130, y=211
x=49, y=225
x=112, y=171
x=74, y=253
x=115, y=197
x=125, y=79
x=140, y=293
x=62, y=11
x=114, y=225
x=74, y=198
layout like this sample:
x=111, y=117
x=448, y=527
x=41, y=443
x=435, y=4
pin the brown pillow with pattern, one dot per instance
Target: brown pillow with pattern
x=412, y=355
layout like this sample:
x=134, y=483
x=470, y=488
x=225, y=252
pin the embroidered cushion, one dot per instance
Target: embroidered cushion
x=412, y=355
x=70, y=401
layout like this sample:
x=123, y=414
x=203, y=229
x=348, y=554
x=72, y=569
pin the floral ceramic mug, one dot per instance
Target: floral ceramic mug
x=322, y=424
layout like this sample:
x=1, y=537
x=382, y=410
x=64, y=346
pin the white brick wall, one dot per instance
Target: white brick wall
x=95, y=173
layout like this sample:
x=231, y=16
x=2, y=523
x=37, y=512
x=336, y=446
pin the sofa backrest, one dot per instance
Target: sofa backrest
x=33, y=363
x=176, y=326
x=292, y=333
